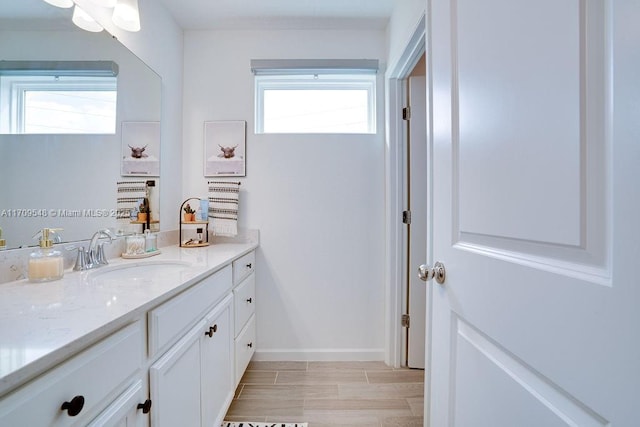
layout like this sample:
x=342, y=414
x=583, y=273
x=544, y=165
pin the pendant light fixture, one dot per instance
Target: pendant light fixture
x=61, y=3
x=83, y=20
x=126, y=15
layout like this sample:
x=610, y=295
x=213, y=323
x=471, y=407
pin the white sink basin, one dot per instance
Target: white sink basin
x=139, y=270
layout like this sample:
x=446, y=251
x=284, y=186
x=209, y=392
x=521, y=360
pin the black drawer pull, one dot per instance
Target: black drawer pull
x=249, y=265
x=146, y=406
x=249, y=300
x=250, y=345
x=74, y=407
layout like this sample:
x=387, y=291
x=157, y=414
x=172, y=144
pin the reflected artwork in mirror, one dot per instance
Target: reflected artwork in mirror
x=69, y=180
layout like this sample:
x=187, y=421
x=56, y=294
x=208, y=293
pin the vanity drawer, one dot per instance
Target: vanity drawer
x=96, y=376
x=168, y=322
x=243, y=266
x=244, y=297
x=245, y=347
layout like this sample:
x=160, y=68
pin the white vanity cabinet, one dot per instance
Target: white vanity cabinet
x=244, y=296
x=83, y=387
x=192, y=382
x=175, y=363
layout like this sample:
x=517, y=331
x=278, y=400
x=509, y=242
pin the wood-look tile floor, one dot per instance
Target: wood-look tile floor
x=332, y=394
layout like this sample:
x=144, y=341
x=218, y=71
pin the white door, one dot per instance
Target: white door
x=417, y=171
x=535, y=168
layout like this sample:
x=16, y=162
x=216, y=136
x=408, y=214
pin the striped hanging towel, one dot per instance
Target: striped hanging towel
x=223, y=207
x=129, y=195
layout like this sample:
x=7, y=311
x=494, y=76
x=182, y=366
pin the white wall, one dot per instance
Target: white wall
x=406, y=16
x=317, y=200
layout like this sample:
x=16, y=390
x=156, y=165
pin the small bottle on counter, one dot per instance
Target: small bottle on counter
x=150, y=241
x=45, y=263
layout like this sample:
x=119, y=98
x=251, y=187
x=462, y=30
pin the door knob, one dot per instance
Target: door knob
x=427, y=273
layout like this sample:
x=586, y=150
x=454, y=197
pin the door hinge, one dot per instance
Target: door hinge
x=406, y=113
x=405, y=320
x=406, y=217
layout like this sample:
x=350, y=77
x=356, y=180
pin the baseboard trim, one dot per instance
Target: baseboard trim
x=321, y=355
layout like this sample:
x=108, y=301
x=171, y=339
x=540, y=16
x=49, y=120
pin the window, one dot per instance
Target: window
x=315, y=100
x=58, y=97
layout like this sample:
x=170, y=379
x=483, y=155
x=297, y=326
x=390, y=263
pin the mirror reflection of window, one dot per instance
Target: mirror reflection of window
x=75, y=100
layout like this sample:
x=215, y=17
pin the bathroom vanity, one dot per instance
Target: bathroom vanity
x=160, y=342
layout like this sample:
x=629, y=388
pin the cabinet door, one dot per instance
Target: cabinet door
x=124, y=411
x=217, y=364
x=175, y=383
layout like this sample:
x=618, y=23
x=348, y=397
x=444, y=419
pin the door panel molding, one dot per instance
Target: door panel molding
x=478, y=355
x=546, y=220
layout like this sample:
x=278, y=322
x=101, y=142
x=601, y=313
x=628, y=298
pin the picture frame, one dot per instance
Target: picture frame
x=225, y=148
x=140, y=149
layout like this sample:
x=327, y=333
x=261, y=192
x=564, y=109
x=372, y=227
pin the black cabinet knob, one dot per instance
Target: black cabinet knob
x=146, y=406
x=74, y=407
x=249, y=300
x=250, y=345
x=212, y=330
x=249, y=265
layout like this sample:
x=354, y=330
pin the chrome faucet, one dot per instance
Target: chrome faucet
x=93, y=257
x=95, y=253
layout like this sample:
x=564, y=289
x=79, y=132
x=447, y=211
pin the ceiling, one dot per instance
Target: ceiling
x=279, y=14
x=230, y=14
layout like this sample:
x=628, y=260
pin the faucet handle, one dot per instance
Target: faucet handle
x=81, y=259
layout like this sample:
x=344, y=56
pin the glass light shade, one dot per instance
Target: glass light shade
x=104, y=3
x=126, y=15
x=61, y=3
x=83, y=20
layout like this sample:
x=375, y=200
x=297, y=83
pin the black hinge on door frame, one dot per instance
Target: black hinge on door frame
x=406, y=320
x=406, y=113
x=406, y=217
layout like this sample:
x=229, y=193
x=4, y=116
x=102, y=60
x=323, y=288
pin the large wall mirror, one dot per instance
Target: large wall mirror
x=63, y=180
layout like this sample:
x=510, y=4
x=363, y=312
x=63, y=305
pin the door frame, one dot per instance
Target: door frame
x=395, y=276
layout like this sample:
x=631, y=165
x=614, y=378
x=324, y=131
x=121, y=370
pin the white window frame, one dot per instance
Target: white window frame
x=316, y=81
x=14, y=88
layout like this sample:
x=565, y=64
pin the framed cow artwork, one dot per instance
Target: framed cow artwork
x=225, y=148
x=140, y=149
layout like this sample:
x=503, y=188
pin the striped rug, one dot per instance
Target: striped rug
x=250, y=424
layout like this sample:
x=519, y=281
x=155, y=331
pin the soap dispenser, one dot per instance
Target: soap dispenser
x=45, y=263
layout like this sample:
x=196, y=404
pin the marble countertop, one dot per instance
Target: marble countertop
x=43, y=324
